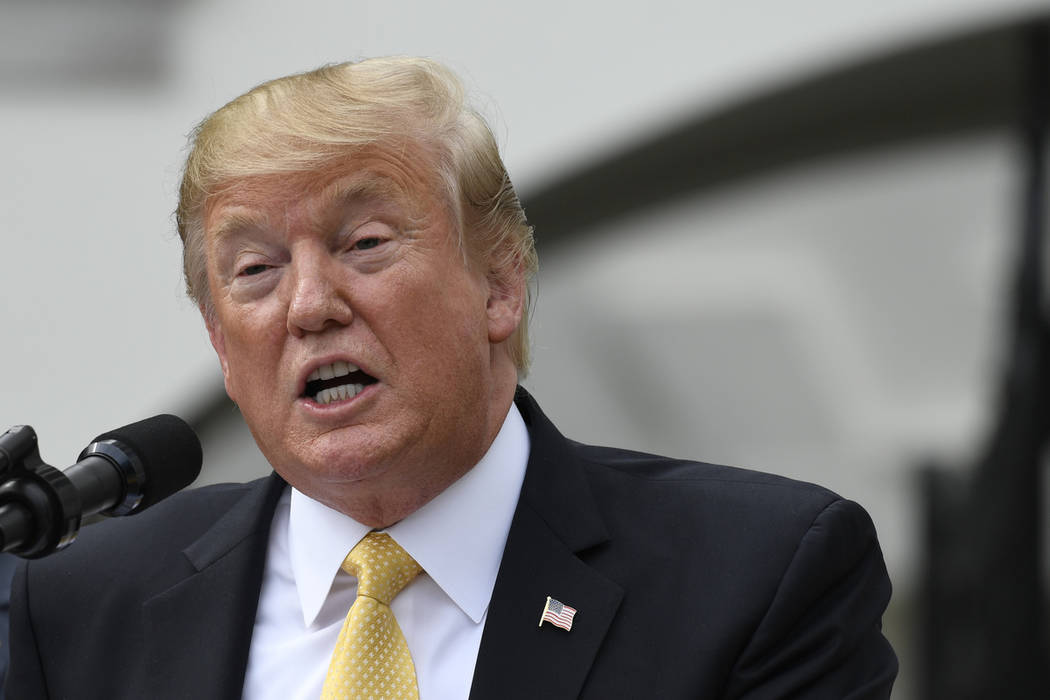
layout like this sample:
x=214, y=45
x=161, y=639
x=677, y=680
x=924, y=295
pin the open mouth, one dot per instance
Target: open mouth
x=336, y=382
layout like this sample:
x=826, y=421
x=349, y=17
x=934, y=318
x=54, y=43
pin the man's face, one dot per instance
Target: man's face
x=360, y=347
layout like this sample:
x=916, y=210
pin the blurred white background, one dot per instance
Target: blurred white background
x=836, y=322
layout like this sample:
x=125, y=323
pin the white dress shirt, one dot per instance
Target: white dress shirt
x=458, y=539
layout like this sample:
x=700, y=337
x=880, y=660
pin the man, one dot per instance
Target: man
x=362, y=264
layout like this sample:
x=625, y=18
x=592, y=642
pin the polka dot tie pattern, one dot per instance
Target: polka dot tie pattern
x=371, y=660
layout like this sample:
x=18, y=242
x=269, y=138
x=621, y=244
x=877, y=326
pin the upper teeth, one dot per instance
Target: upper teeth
x=336, y=369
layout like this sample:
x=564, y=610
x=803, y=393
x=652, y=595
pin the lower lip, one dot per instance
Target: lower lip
x=329, y=408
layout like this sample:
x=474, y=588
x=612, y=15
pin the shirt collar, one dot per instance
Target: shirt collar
x=458, y=537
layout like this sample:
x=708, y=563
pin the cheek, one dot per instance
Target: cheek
x=455, y=335
x=451, y=305
x=252, y=354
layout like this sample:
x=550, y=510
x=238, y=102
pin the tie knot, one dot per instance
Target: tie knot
x=382, y=568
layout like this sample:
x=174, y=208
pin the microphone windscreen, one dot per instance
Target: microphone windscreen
x=169, y=450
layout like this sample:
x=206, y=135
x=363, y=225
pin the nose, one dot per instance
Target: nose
x=317, y=299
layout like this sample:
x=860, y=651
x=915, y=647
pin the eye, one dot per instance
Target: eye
x=367, y=243
x=254, y=269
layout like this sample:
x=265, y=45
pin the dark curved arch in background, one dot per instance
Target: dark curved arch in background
x=938, y=89
x=981, y=622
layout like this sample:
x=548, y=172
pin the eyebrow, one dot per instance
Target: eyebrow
x=236, y=221
x=364, y=188
x=368, y=188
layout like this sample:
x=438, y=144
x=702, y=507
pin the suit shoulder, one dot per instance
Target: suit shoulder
x=112, y=545
x=738, y=518
x=693, y=483
x=188, y=512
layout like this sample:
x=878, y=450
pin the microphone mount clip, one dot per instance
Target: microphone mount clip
x=29, y=486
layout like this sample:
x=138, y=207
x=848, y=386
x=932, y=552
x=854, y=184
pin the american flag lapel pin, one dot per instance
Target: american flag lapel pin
x=558, y=614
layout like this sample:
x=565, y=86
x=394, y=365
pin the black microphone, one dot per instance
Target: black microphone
x=123, y=471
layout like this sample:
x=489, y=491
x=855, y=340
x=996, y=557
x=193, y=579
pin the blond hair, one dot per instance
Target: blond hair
x=310, y=121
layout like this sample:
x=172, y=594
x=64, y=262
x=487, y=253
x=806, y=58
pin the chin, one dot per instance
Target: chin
x=343, y=462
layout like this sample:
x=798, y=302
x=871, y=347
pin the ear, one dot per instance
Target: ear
x=218, y=341
x=506, y=302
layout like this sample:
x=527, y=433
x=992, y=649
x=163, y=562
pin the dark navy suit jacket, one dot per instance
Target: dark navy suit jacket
x=690, y=581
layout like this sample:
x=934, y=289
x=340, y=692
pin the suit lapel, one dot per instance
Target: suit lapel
x=200, y=629
x=556, y=519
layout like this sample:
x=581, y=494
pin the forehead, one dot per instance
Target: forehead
x=404, y=180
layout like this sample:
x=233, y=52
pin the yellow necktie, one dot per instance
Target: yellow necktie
x=371, y=659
